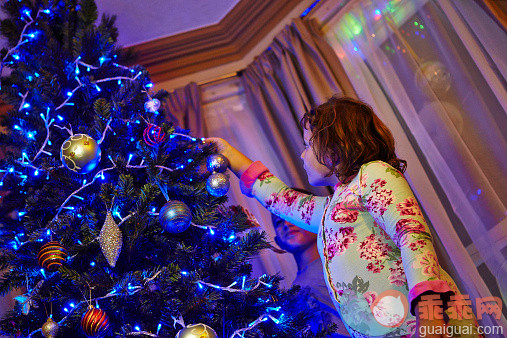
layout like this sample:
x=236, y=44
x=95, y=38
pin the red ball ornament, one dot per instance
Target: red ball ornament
x=52, y=255
x=95, y=322
x=153, y=135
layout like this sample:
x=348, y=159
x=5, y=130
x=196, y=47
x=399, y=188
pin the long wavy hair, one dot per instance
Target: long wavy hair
x=346, y=134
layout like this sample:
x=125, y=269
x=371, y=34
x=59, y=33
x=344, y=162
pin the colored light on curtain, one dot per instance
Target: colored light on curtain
x=439, y=67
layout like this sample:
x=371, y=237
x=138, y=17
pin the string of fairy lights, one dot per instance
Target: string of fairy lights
x=52, y=119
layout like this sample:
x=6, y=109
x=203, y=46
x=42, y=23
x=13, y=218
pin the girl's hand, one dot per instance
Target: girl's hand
x=238, y=162
x=222, y=145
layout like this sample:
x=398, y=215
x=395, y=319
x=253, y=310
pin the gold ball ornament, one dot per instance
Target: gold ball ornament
x=95, y=322
x=80, y=153
x=52, y=255
x=50, y=328
x=197, y=331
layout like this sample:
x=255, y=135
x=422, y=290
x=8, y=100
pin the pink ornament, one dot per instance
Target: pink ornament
x=153, y=135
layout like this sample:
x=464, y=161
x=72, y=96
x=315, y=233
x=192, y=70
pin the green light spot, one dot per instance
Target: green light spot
x=421, y=26
x=416, y=23
x=388, y=48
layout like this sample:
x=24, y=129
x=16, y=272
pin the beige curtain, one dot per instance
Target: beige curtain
x=259, y=114
x=183, y=107
x=435, y=70
x=298, y=71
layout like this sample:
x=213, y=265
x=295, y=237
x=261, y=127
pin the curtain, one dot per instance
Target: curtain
x=435, y=70
x=261, y=118
x=184, y=109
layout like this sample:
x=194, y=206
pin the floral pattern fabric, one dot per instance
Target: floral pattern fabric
x=372, y=238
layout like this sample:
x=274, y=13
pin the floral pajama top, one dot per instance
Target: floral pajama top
x=375, y=245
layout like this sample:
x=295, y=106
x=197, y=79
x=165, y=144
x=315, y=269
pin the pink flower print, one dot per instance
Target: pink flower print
x=428, y=262
x=381, y=230
x=380, y=198
x=264, y=176
x=409, y=207
x=289, y=196
x=272, y=200
x=363, y=180
x=397, y=276
x=419, y=244
x=283, y=201
x=342, y=215
x=374, y=250
x=349, y=198
x=339, y=241
x=370, y=297
x=405, y=227
x=306, y=210
x=375, y=267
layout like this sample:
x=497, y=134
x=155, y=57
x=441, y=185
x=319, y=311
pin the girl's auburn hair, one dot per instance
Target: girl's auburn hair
x=346, y=134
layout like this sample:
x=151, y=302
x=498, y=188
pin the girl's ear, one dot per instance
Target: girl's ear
x=281, y=244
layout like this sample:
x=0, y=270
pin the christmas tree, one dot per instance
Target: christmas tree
x=108, y=217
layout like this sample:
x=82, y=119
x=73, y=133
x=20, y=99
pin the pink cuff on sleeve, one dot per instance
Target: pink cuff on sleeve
x=249, y=177
x=435, y=286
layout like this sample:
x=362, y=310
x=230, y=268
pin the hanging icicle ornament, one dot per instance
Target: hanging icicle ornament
x=50, y=328
x=95, y=322
x=110, y=240
x=153, y=135
x=217, y=183
x=197, y=331
x=175, y=217
x=80, y=153
x=52, y=255
x=152, y=105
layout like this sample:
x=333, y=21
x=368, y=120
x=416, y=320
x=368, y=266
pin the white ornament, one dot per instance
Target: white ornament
x=152, y=105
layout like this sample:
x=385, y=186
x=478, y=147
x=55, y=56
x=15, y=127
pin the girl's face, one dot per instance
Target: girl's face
x=316, y=171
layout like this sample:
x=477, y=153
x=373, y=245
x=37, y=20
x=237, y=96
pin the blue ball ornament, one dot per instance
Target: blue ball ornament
x=175, y=217
x=217, y=184
x=217, y=163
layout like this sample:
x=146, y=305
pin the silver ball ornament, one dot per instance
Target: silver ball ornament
x=80, y=153
x=217, y=163
x=175, y=217
x=152, y=105
x=197, y=331
x=217, y=184
x=432, y=76
x=50, y=328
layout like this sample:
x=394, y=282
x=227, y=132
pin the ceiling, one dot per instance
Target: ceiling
x=147, y=20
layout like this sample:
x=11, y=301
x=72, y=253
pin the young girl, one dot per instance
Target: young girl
x=376, y=248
